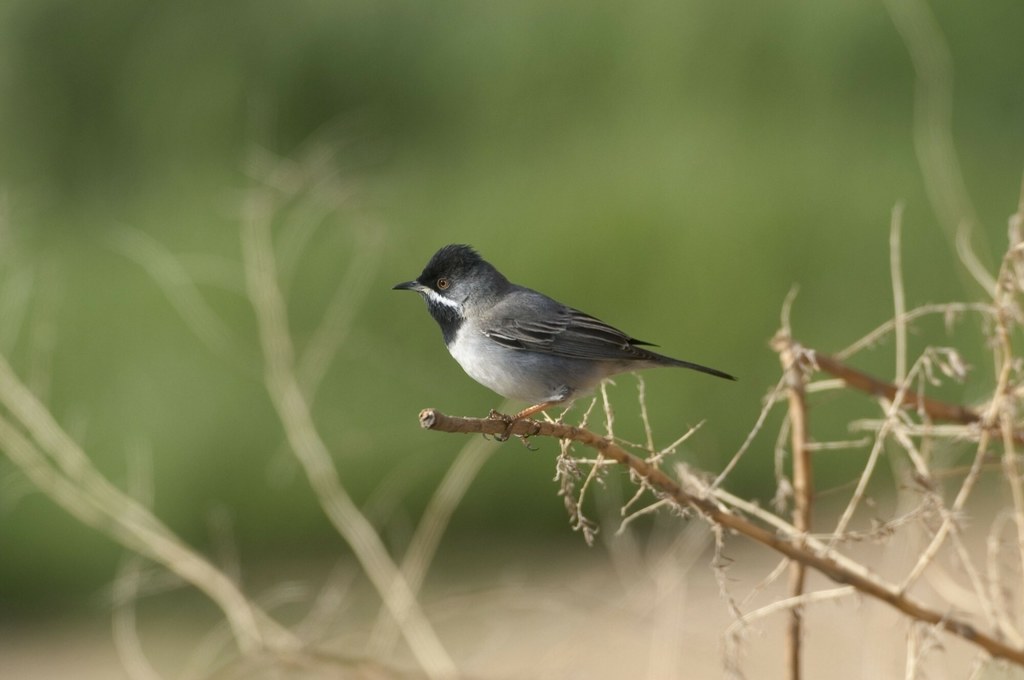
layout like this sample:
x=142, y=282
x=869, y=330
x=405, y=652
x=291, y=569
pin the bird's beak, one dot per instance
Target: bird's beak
x=408, y=285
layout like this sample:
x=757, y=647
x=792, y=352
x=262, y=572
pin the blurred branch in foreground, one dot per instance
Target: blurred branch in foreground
x=292, y=406
x=51, y=459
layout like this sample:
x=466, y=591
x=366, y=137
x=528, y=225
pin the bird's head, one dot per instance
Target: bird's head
x=456, y=279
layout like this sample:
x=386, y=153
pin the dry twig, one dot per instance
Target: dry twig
x=794, y=365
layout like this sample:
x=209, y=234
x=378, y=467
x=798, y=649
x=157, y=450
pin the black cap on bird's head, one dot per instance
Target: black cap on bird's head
x=454, y=261
x=451, y=268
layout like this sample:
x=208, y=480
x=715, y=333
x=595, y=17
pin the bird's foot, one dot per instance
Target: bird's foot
x=507, y=419
x=509, y=422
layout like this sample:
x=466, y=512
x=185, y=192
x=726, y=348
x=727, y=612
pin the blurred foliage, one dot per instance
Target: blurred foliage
x=672, y=167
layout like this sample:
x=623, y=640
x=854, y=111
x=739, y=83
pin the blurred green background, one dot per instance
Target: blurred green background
x=671, y=167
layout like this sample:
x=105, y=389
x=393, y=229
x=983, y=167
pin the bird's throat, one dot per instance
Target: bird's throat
x=447, y=317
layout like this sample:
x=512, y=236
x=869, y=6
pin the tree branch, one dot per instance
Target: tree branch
x=807, y=553
x=803, y=485
x=858, y=380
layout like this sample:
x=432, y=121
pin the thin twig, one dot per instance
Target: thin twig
x=1006, y=415
x=791, y=603
x=645, y=417
x=595, y=468
x=889, y=423
x=125, y=628
x=771, y=578
x=858, y=380
x=792, y=360
x=950, y=515
x=334, y=327
x=127, y=582
x=427, y=537
x=933, y=116
x=997, y=592
x=770, y=400
x=899, y=297
x=948, y=309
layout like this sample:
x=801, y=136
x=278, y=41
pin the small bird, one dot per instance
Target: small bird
x=521, y=343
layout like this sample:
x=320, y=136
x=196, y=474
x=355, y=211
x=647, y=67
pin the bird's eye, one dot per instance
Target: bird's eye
x=443, y=284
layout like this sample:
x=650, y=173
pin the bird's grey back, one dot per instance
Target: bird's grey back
x=529, y=320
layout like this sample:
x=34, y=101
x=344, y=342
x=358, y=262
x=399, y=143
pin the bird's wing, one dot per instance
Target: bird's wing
x=564, y=331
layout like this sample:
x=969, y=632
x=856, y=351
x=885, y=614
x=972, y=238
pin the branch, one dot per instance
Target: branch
x=858, y=380
x=865, y=582
x=803, y=485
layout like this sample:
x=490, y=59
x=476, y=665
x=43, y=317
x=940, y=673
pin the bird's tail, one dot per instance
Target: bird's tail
x=703, y=369
x=663, y=360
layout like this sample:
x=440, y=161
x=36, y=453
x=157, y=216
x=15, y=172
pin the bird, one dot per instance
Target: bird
x=520, y=343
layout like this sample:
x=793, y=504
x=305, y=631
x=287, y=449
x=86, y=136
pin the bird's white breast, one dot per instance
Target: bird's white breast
x=501, y=369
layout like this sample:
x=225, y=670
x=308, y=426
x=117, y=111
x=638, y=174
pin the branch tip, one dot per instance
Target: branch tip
x=428, y=418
